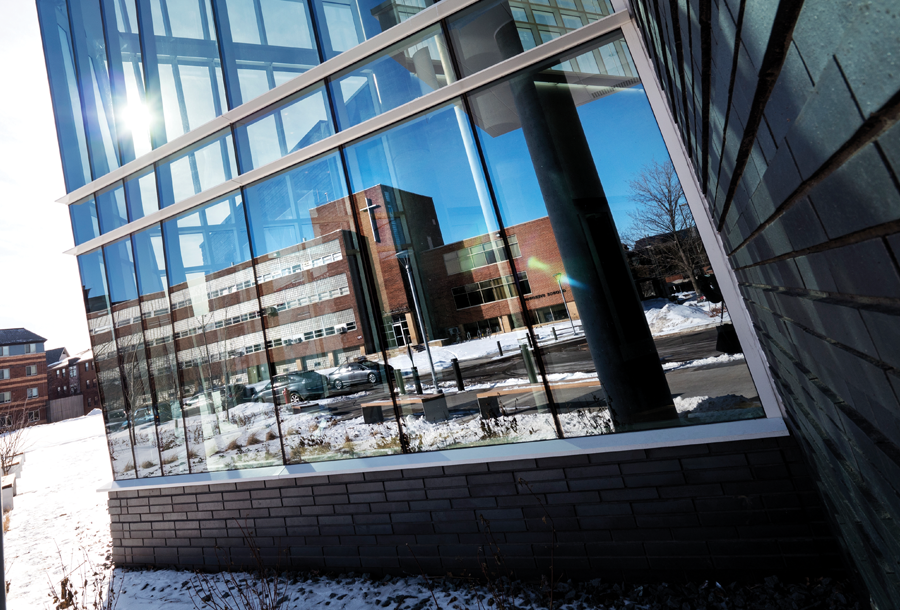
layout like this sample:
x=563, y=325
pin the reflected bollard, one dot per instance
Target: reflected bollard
x=555, y=336
x=398, y=379
x=529, y=363
x=418, y=382
x=499, y=348
x=459, y=380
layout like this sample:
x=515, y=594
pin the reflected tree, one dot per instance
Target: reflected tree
x=663, y=228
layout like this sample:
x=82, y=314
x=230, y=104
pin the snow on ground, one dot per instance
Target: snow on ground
x=57, y=510
x=723, y=359
x=667, y=318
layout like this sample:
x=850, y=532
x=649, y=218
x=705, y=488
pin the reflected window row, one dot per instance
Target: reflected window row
x=442, y=283
x=127, y=76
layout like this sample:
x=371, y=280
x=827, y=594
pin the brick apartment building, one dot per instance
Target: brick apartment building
x=69, y=376
x=23, y=376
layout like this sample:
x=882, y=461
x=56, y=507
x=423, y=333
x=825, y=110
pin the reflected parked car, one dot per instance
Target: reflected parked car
x=143, y=416
x=357, y=373
x=116, y=420
x=300, y=386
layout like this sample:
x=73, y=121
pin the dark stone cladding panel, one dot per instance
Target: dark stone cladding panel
x=812, y=229
x=732, y=510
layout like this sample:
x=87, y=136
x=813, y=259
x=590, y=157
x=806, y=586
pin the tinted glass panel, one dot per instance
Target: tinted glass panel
x=264, y=43
x=160, y=348
x=93, y=75
x=219, y=339
x=127, y=78
x=204, y=165
x=494, y=30
x=132, y=358
x=111, y=207
x=406, y=71
x=56, y=35
x=343, y=24
x=421, y=197
x=299, y=121
x=119, y=430
x=181, y=61
x=562, y=189
x=140, y=192
x=84, y=221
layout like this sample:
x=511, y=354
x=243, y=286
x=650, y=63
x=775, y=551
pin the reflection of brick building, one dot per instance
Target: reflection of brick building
x=464, y=288
x=470, y=283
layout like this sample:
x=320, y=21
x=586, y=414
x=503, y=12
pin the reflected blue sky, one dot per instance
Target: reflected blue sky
x=622, y=135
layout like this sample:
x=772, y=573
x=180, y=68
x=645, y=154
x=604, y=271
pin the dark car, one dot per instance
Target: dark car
x=300, y=386
x=356, y=373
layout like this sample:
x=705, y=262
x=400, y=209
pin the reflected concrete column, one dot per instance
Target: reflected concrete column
x=612, y=318
x=424, y=65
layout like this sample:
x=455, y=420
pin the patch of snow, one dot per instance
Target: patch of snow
x=705, y=404
x=723, y=359
x=666, y=318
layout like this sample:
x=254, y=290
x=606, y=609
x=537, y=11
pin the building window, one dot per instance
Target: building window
x=34, y=416
x=4, y=350
x=31, y=371
x=58, y=372
x=482, y=255
x=4, y=373
x=32, y=393
x=87, y=366
x=5, y=397
x=488, y=291
x=31, y=348
x=6, y=421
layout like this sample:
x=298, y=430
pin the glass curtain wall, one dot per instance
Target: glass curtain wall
x=454, y=280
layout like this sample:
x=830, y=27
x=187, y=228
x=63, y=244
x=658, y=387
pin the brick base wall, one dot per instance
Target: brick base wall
x=735, y=510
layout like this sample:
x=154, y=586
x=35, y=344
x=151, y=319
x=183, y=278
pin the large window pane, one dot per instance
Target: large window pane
x=127, y=78
x=264, y=43
x=202, y=166
x=119, y=429
x=343, y=24
x=111, y=208
x=132, y=358
x=565, y=144
x=85, y=225
x=57, y=39
x=421, y=197
x=494, y=30
x=301, y=120
x=89, y=44
x=406, y=71
x=219, y=339
x=181, y=59
x=320, y=334
x=140, y=193
x=159, y=343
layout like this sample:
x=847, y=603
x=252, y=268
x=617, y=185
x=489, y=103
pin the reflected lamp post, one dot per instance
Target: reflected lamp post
x=403, y=256
x=558, y=277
